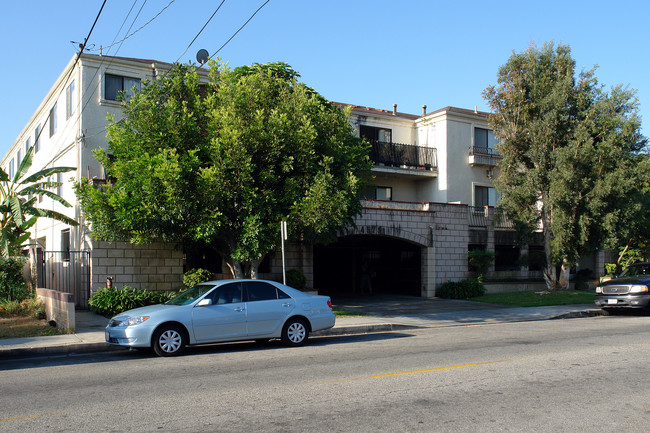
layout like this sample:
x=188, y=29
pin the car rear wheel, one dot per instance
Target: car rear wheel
x=169, y=340
x=295, y=332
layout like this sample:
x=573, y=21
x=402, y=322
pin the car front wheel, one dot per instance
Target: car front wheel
x=295, y=332
x=169, y=340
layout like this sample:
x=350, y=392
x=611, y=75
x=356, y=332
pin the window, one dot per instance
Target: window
x=384, y=193
x=259, y=291
x=19, y=158
x=484, y=138
x=65, y=245
x=11, y=169
x=53, y=122
x=28, y=144
x=377, y=134
x=114, y=84
x=485, y=196
x=70, y=100
x=37, y=138
x=226, y=294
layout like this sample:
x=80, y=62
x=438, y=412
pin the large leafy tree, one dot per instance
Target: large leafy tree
x=19, y=209
x=224, y=163
x=570, y=150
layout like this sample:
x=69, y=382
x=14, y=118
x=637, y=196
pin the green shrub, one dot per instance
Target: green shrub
x=460, y=289
x=109, y=302
x=480, y=260
x=296, y=279
x=12, y=285
x=195, y=276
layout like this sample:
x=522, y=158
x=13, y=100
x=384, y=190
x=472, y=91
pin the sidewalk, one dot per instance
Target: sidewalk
x=387, y=313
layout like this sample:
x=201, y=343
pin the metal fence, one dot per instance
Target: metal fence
x=65, y=271
x=407, y=155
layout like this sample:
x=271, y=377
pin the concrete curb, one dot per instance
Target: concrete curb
x=80, y=348
x=578, y=314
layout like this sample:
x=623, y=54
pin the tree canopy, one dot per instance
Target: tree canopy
x=571, y=150
x=224, y=162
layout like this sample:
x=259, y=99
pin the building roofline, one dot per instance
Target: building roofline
x=358, y=109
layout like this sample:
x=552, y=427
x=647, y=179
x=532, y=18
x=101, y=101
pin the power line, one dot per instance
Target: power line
x=244, y=25
x=83, y=45
x=201, y=31
x=136, y=31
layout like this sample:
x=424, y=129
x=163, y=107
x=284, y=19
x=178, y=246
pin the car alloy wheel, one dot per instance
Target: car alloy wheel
x=169, y=341
x=295, y=333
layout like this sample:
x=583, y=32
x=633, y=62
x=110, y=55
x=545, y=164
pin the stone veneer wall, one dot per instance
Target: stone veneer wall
x=157, y=266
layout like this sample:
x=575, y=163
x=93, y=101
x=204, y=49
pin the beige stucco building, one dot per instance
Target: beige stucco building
x=432, y=200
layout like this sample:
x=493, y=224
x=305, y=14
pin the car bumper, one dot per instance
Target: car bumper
x=129, y=336
x=622, y=301
x=322, y=321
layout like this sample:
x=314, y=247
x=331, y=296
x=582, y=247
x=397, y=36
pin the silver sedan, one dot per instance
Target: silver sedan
x=219, y=311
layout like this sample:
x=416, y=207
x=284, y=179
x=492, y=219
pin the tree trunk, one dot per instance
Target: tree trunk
x=254, y=269
x=235, y=268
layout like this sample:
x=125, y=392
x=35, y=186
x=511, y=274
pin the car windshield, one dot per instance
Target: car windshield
x=636, y=270
x=191, y=295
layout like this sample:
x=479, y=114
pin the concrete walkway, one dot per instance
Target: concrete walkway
x=386, y=313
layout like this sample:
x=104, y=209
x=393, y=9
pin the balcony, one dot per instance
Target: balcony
x=406, y=156
x=484, y=156
x=479, y=216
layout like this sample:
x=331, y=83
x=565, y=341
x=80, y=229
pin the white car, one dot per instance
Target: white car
x=224, y=310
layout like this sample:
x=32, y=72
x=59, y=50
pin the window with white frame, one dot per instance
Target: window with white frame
x=70, y=100
x=384, y=193
x=11, y=169
x=53, y=121
x=19, y=158
x=28, y=144
x=114, y=85
x=484, y=138
x=485, y=196
x=65, y=245
x=37, y=138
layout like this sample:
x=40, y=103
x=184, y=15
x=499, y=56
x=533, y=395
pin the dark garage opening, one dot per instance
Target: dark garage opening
x=365, y=265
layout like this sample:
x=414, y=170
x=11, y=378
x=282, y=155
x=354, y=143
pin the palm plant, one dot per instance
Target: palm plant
x=18, y=199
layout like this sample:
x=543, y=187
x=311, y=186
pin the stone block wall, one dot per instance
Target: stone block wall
x=59, y=307
x=157, y=266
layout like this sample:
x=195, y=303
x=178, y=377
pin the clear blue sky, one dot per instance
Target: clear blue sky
x=366, y=52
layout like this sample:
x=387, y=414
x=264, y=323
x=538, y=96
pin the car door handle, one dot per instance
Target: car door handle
x=238, y=309
x=286, y=304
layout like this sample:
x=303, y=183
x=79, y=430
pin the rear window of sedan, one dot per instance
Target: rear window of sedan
x=261, y=291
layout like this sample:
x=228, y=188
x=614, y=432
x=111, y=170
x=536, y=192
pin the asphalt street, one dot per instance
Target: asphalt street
x=586, y=374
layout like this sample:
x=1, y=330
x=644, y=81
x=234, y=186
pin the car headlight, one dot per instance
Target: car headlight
x=130, y=321
x=599, y=289
x=638, y=289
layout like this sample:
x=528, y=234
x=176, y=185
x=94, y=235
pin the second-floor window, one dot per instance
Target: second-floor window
x=11, y=169
x=485, y=196
x=115, y=84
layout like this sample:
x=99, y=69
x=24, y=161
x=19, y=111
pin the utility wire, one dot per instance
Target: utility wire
x=201, y=31
x=136, y=31
x=83, y=45
x=244, y=25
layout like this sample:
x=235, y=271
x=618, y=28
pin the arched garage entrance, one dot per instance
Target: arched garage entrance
x=364, y=264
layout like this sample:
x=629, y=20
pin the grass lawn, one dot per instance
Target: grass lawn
x=24, y=326
x=537, y=298
x=347, y=313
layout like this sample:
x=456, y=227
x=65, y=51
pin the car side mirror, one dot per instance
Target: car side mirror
x=204, y=302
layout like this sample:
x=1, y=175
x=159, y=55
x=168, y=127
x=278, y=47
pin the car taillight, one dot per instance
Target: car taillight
x=329, y=303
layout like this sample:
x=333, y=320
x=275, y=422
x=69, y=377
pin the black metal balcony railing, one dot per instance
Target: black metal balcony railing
x=403, y=155
x=484, y=156
x=479, y=216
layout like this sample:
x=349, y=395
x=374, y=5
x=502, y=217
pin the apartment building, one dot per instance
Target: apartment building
x=432, y=199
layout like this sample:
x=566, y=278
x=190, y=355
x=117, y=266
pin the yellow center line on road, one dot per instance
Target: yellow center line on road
x=428, y=370
x=19, y=418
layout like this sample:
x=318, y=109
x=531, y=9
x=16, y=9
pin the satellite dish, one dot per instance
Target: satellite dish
x=202, y=56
